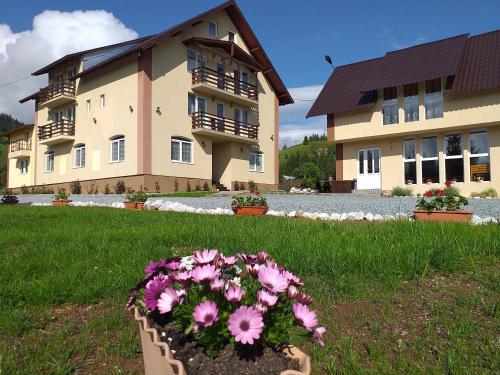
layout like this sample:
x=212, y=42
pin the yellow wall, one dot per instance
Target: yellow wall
x=16, y=179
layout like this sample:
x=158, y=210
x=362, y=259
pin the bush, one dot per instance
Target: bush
x=242, y=186
x=197, y=187
x=75, y=187
x=157, y=187
x=107, y=190
x=310, y=174
x=486, y=193
x=188, y=187
x=252, y=186
x=236, y=186
x=176, y=185
x=206, y=187
x=400, y=191
x=119, y=187
x=91, y=189
x=24, y=189
x=447, y=199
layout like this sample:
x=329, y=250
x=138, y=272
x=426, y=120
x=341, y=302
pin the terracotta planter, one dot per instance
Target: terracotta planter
x=61, y=202
x=251, y=210
x=139, y=205
x=442, y=216
x=159, y=360
x=129, y=205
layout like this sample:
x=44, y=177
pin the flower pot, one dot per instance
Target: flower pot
x=442, y=216
x=159, y=360
x=139, y=205
x=61, y=202
x=251, y=210
x=129, y=205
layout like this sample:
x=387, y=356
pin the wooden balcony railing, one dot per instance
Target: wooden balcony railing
x=59, y=88
x=22, y=144
x=202, y=120
x=222, y=81
x=63, y=127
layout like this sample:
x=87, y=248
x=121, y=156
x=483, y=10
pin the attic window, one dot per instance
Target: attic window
x=410, y=102
x=212, y=29
x=390, y=106
x=433, y=99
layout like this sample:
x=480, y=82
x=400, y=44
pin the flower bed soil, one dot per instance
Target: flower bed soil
x=237, y=360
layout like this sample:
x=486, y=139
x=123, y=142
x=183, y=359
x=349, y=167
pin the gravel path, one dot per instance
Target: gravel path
x=327, y=203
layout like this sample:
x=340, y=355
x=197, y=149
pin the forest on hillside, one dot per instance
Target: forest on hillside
x=7, y=122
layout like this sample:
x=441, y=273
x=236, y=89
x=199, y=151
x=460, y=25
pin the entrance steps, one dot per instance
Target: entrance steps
x=219, y=186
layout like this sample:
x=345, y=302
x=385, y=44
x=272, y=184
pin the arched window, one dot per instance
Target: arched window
x=117, y=148
x=181, y=150
x=79, y=155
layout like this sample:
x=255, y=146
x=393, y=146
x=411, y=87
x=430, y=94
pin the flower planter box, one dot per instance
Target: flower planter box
x=129, y=205
x=159, y=360
x=61, y=202
x=251, y=210
x=442, y=216
x=139, y=205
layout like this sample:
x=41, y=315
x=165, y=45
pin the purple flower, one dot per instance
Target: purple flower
x=216, y=285
x=246, y=324
x=247, y=259
x=303, y=298
x=292, y=278
x=230, y=261
x=205, y=256
x=262, y=256
x=154, y=289
x=292, y=291
x=207, y=272
x=167, y=301
x=318, y=335
x=272, y=279
x=183, y=278
x=181, y=295
x=171, y=264
x=260, y=308
x=253, y=269
x=304, y=316
x=205, y=313
x=234, y=294
x=266, y=298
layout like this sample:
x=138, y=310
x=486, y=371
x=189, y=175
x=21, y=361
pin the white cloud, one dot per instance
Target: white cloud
x=53, y=35
x=293, y=123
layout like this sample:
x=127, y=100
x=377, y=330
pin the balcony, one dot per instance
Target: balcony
x=222, y=129
x=20, y=149
x=211, y=82
x=57, y=94
x=57, y=132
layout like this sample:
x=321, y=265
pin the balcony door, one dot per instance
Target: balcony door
x=221, y=82
x=57, y=117
x=220, y=117
x=369, y=168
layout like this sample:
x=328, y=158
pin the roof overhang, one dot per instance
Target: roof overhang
x=16, y=130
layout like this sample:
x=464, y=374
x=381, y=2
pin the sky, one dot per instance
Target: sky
x=296, y=35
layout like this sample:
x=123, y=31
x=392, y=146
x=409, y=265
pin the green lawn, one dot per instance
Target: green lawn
x=397, y=297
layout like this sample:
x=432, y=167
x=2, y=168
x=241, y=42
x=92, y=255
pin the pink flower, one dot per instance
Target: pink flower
x=181, y=294
x=204, y=273
x=153, y=290
x=230, y=261
x=246, y=324
x=183, y=278
x=167, y=301
x=234, y=294
x=260, y=308
x=271, y=263
x=272, y=279
x=205, y=256
x=292, y=278
x=318, y=335
x=216, y=285
x=304, y=316
x=262, y=256
x=303, y=298
x=292, y=291
x=247, y=259
x=171, y=264
x=253, y=269
x=266, y=298
x=205, y=313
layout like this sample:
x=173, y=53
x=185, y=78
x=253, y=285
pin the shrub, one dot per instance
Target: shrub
x=211, y=296
x=107, y=190
x=91, y=188
x=486, y=193
x=447, y=199
x=236, y=186
x=24, y=189
x=61, y=194
x=206, y=187
x=138, y=196
x=197, y=187
x=248, y=200
x=242, y=186
x=310, y=174
x=75, y=187
x=119, y=187
x=157, y=187
x=188, y=187
x=400, y=191
x=252, y=186
x=176, y=185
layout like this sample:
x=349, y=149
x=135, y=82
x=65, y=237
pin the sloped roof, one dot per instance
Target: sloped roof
x=474, y=61
x=17, y=129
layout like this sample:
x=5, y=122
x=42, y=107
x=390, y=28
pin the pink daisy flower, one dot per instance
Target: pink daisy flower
x=205, y=256
x=247, y=259
x=230, y=261
x=207, y=272
x=292, y=291
x=260, y=308
x=272, y=279
x=266, y=298
x=153, y=290
x=318, y=335
x=183, y=278
x=294, y=280
x=304, y=316
x=303, y=298
x=167, y=301
x=262, y=256
x=216, y=285
x=234, y=294
x=205, y=313
x=253, y=269
x=181, y=294
x=246, y=324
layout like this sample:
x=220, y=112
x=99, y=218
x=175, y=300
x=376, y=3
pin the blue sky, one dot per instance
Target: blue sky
x=296, y=34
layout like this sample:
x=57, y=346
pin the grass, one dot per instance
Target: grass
x=397, y=297
x=186, y=194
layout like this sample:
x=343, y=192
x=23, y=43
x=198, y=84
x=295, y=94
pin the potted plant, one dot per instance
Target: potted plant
x=139, y=198
x=129, y=199
x=249, y=204
x=61, y=198
x=442, y=205
x=9, y=198
x=223, y=314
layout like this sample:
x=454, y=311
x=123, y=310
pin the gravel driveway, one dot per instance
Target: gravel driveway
x=327, y=203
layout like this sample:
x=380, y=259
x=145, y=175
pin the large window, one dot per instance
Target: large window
x=433, y=99
x=212, y=29
x=410, y=163
x=23, y=166
x=117, y=149
x=181, y=150
x=390, y=106
x=195, y=60
x=479, y=156
x=196, y=104
x=454, y=160
x=80, y=156
x=49, y=161
x=430, y=161
x=410, y=102
x=255, y=159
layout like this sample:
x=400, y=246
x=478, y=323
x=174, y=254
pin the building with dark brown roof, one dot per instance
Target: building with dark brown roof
x=418, y=116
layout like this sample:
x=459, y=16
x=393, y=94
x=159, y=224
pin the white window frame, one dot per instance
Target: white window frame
x=482, y=154
x=79, y=151
x=120, y=141
x=49, y=162
x=436, y=96
x=234, y=35
x=23, y=166
x=88, y=105
x=409, y=100
x=253, y=166
x=414, y=160
x=181, y=152
x=389, y=104
x=103, y=100
x=216, y=29
x=200, y=60
x=197, y=99
x=365, y=161
x=448, y=157
x=422, y=158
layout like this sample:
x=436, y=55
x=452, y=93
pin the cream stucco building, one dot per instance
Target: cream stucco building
x=418, y=116
x=197, y=103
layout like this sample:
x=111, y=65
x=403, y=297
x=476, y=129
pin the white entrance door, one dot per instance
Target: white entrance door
x=369, y=168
